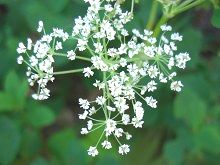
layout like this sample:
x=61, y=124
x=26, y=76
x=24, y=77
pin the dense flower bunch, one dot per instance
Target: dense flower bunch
x=131, y=71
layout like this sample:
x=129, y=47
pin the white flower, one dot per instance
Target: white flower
x=20, y=60
x=84, y=131
x=176, y=37
x=137, y=123
x=133, y=70
x=106, y=144
x=92, y=111
x=100, y=100
x=108, y=8
x=88, y=72
x=139, y=111
x=89, y=124
x=98, y=47
x=99, y=84
x=29, y=45
x=128, y=136
x=181, y=60
x=71, y=55
x=118, y=132
x=92, y=151
x=58, y=46
x=110, y=126
x=82, y=44
x=151, y=86
x=151, y=102
x=123, y=149
x=40, y=26
x=21, y=48
x=84, y=103
x=110, y=109
x=33, y=61
x=123, y=62
x=153, y=71
x=166, y=28
x=125, y=119
x=176, y=86
x=83, y=116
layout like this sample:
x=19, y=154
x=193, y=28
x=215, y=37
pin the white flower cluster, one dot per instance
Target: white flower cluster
x=132, y=70
x=40, y=59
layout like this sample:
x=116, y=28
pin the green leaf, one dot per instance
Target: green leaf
x=216, y=3
x=39, y=161
x=6, y=102
x=31, y=143
x=212, y=134
x=57, y=6
x=67, y=149
x=192, y=43
x=9, y=140
x=190, y=108
x=39, y=116
x=173, y=152
x=11, y=82
x=216, y=18
x=15, y=91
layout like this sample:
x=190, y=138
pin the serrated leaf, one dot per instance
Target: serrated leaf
x=39, y=116
x=216, y=18
x=190, y=108
x=9, y=141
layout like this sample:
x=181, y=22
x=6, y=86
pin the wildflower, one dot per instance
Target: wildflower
x=92, y=151
x=106, y=144
x=88, y=72
x=20, y=60
x=84, y=103
x=132, y=71
x=40, y=26
x=124, y=149
x=151, y=102
x=71, y=55
x=176, y=86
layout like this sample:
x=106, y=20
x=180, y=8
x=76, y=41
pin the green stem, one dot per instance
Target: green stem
x=187, y=7
x=176, y=11
x=152, y=16
x=77, y=57
x=162, y=21
x=132, y=6
x=68, y=71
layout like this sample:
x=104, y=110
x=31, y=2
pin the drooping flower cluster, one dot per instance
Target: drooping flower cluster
x=132, y=70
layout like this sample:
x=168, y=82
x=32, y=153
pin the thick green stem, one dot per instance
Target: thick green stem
x=152, y=16
x=162, y=21
x=187, y=7
x=132, y=6
x=179, y=9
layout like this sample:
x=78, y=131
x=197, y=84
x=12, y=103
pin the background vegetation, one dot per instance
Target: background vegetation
x=185, y=129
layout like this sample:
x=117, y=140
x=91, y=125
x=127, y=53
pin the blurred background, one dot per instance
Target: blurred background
x=185, y=129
